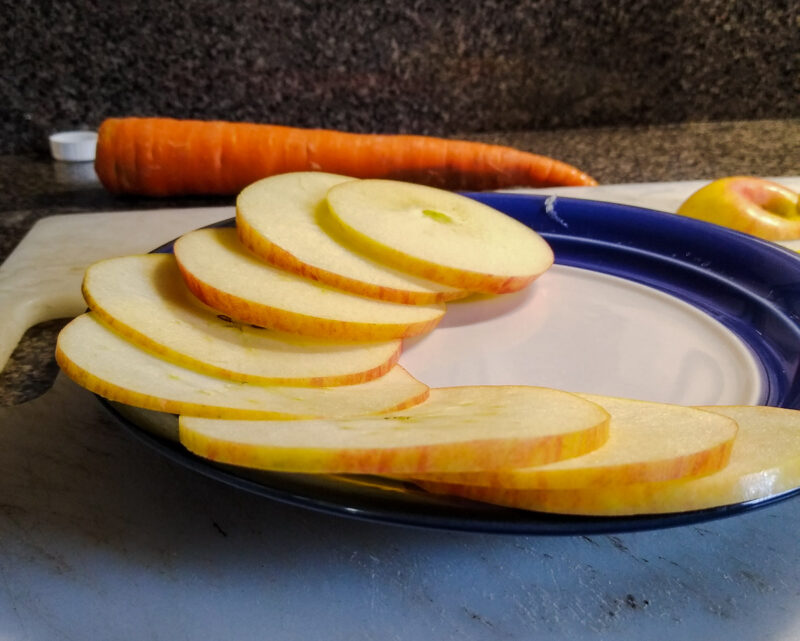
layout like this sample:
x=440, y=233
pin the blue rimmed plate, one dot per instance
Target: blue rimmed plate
x=640, y=304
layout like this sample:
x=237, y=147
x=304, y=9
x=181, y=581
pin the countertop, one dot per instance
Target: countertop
x=407, y=66
x=103, y=538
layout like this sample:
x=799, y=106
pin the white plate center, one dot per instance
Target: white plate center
x=583, y=331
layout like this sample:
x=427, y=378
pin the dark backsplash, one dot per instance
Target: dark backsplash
x=444, y=68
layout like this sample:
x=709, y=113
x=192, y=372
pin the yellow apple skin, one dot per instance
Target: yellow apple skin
x=748, y=204
x=389, y=461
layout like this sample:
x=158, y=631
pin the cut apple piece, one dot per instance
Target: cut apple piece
x=748, y=204
x=456, y=429
x=647, y=442
x=764, y=462
x=438, y=235
x=281, y=219
x=103, y=362
x=145, y=299
x=225, y=276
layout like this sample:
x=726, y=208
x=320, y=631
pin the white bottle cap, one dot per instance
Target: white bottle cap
x=73, y=146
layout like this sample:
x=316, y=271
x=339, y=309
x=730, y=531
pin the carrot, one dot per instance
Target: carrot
x=162, y=156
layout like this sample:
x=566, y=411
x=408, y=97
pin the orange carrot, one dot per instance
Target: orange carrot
x=162, y=156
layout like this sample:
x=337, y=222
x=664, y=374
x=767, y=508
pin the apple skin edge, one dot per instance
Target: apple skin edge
x=282, y=259
x=472, y=281
x=109, y=286
x=287, y=321
x=748, y=204
x=457, y=429
x=203, y=255
x=281, y=219
x=389, y=221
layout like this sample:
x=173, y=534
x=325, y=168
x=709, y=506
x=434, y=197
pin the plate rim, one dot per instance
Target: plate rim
x=501, y=520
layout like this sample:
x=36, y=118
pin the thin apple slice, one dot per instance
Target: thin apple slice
x=438, y=235
x=765, y=462
x=145, y=300
x=281, y=220
x=647, y=442
x=225, y=276
x=456, y=429
x=103, y=362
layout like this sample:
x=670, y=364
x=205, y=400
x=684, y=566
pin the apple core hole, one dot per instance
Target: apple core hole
x=773, y=198
x=438, y=216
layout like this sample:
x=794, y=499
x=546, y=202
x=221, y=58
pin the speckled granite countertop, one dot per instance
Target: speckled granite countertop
x=34, y=187
x=403, y=66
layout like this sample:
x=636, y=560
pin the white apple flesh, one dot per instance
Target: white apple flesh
x=764, y=462
x=103, y=362
x=225, y=276
x=438, y=235
x=647, y=442
x=145, y=299
x=456, y=429
x=283, y=220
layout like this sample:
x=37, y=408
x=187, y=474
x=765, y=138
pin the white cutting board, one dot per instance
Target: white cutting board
x=41, y=278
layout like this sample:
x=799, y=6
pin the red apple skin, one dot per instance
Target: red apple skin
x=748, y=204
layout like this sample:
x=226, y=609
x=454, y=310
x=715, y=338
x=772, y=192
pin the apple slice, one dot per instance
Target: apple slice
x=225, y=276
x=748, y=204
x=103, y=362
x=438, y=235
x=145, y=300
x=281, y=218
x=647, y=442
x=456, y=429
x=764, y=462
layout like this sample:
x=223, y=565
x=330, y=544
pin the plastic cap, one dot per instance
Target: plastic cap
x=73, y=146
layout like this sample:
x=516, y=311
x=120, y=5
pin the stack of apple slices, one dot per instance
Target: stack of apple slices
x=286, y=221
x=111, y=365
x=291, y=323
x=277, y=344
x=764, y=462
